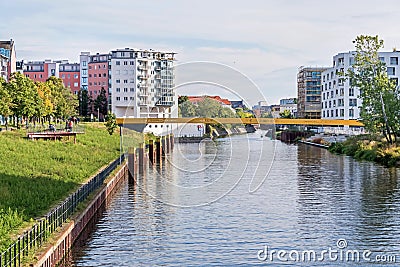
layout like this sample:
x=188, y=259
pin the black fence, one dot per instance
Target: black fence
x=44, y=227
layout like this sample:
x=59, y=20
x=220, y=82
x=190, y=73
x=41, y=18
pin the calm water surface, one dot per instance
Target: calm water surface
x=198, y=209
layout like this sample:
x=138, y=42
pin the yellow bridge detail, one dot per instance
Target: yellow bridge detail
x=316, y=122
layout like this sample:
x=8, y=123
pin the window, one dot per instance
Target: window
x=323, y=113
x=341, y=112
x=334, y=104
x=353, y=102
x=330, y=104
x=351, y=113
x=84, y=80
x=351, y=91
x=95, y=75
x=132, y=62
x=125, y=81
x=125, y=98
x=391, y=71
x=104, y=74
x=118, y=90
x=125, y=63
x=75, y=84
x=382, y=59
x=84, y=72
x=337, y=113
x=125, y=72
x=75, y=76
x=131, y=98
x=118, y=81
x=95, y=83
x=132, y=89
x=117, y=63
x=118, y=98
x=90, y=84
x=132, y=80
x=95, y=92
x=62, y=76
x=41, y=76
x=394, y=61
x=125, y=90
x=331, y=113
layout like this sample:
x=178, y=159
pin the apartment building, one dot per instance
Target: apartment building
x=94, y=73
x=339, y=99
x=8, y=59
x=142, y=84
x=42, y=70
x=309, y=92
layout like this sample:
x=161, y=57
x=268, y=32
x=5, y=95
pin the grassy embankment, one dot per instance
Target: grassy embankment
x=371, y=148
x=36, y=175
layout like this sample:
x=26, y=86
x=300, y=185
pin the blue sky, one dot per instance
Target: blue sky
x=267, y=41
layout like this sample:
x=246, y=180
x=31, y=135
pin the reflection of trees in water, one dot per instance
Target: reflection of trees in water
x=357, y=199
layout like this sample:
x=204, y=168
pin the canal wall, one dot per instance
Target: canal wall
x=56, y=252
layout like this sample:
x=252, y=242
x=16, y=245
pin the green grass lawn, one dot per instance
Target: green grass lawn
x=37, y=175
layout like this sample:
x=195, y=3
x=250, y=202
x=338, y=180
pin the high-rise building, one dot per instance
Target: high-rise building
x=309, y=92
x=8, y=59
x=142, y=84
x=339, y=99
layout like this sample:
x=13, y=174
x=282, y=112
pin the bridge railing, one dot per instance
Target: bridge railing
x=44, y=227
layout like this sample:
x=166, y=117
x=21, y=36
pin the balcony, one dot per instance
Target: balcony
x=143, y=77
x=157, y=68
x=144, y=102
x=143, y=93
x=158, y=77
x=143, y=68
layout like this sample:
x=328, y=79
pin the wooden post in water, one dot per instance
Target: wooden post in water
x=171, y=137
x=152, y=154
x=131, y=163
x=163, y=145
x=167, y=141
x=142, y=160
x=158, y=149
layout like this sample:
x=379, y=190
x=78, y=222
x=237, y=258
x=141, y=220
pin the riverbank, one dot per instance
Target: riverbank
x=37, y=175
x=367, y=147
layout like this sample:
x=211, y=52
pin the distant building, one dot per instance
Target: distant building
x=238, y=104
x=309, y=92
x=8, y=59
x=275, y=110
x=339, y=100
x=289, y=104
x=261, y=108
x=42, y=70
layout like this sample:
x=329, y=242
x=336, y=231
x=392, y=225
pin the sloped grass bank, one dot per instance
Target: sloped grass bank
x=36, y=175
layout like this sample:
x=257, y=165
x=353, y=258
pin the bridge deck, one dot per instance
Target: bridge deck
x=315, y=122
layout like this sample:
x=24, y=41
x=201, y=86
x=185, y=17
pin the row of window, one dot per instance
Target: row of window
x=100, y=75
x=118, y=98
x=76, y=76
x=339, y=92
x=97, y=83
x=125, y=81
x=118, y=63
x=125, y=90
x=340, y=103
x=104, y=66
x=337, y=113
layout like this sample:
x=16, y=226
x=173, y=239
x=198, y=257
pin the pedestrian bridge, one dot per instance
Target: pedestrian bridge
x=271, y=121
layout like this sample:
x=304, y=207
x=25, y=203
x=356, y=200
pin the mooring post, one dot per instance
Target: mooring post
x=158, y=149
x=151, y=151
x=167, y=141
x=142, y=160
x=163, y=145
x=131, y=163
x=171, y=137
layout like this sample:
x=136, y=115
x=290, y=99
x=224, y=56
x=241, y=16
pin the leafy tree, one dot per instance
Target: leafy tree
x=286, y=114
x=111, y=123
x=64, y=101
x=244, y=113
x=266, y=115
x=182, y=99
x=83, y=102
x=23, y=95
x=5, y=101
x=187, y=109
x=100, y=103
x=380, y=99
x=44, y=106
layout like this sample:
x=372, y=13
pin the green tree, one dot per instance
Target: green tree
x=100, y=104
x=24, y=96
x=65, y=103
x=266, y=115
x=187, y=109
x=5, y=101
x=83, y=102
x=44, y=106
x=244, y=113
x=286, y=114
x=380, y=101
x=182, y=99
x=111, y=123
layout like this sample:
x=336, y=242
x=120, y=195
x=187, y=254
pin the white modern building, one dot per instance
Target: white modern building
x=142, y=86
x=288, y=104
x=339, y=100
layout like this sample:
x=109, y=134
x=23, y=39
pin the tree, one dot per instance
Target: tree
x=83, y=102
x=244, y=113
x=187, y=109
x=380, y=100
x=182, y=99
x=65, y=103
x=44, y=106
x=111, y=123
x=286, y=114
x=5, y=101
x=100, y=103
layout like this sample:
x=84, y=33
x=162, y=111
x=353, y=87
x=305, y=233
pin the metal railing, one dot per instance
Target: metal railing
x=44, y=227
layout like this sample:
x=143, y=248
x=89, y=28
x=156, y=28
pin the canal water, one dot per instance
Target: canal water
x=250, y=201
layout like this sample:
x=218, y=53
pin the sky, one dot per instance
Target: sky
x=254, y=46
